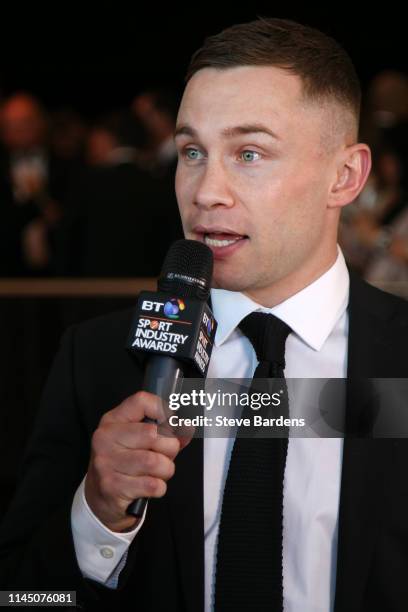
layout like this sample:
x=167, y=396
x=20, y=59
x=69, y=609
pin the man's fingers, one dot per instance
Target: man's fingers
x=142, y=462
x=134, y=436
x=169, y=446
x=124, y=489
x=126, y=435
x=135, y=408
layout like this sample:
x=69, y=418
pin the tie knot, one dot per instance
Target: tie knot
x=267, y=335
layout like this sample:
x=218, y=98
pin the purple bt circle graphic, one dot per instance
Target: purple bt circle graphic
x=173, y=307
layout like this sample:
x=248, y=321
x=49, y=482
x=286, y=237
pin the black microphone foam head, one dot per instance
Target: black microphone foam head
x=187, y=270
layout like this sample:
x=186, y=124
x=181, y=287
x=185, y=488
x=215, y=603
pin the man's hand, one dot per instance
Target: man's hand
x=129, y=459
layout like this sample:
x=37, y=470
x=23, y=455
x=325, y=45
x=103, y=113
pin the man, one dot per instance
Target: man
x=156, y=108
x=33, y=185
x=268, y=155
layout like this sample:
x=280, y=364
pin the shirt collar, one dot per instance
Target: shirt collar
x=312, y=313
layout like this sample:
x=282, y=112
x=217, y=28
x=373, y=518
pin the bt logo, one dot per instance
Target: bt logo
x=173, y=307
x=148, y=305
x=207, y=321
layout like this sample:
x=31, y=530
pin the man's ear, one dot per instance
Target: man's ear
x=353, y=168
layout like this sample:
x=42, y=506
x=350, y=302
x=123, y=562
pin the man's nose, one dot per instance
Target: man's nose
x=213, y=188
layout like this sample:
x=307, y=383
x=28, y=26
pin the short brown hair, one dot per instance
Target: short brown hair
x=324, y=67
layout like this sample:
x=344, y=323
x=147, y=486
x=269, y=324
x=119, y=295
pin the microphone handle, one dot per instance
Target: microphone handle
x=163, y=375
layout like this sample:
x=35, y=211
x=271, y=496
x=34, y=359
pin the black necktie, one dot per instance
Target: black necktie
x=249, y=555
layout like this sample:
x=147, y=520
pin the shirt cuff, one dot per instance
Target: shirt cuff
x=98, y=549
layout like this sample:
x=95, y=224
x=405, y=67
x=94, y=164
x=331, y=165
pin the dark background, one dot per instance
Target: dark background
x=95, y=56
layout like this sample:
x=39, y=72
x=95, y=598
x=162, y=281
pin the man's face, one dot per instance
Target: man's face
x=22, y=126
x=258, y=200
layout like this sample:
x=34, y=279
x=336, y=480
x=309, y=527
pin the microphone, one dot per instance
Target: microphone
x=174, y=325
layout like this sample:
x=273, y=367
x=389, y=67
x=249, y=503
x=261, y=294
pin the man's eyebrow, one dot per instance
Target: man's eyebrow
x=247, y=128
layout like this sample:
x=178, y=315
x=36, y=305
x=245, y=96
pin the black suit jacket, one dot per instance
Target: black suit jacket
x=165, y=567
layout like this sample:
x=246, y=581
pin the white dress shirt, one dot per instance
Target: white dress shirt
x=317, y=348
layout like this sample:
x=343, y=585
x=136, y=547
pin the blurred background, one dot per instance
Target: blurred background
x=88, y=102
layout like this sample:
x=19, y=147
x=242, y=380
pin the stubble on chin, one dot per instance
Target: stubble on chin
x=229, y=283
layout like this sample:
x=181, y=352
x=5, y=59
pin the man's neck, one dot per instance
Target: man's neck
x=284, y=288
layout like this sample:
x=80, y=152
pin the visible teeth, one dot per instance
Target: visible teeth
x=219, y=243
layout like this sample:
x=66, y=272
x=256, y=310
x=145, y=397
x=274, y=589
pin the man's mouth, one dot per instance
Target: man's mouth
x=218, y=236
x=222, y=241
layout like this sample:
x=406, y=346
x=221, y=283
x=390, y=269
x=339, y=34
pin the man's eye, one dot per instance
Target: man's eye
x=248, y=155
x=191, y=153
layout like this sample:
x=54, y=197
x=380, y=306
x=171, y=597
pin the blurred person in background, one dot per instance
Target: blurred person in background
x=385, y=108
x=157, y=110
x=68, y=133
x=389, y=262
x=33, y=182
x=115, y=139
x=120, y=219
x=386, y=105
x=374, y=232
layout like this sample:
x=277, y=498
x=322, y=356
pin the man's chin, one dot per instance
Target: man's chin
x=228, y=281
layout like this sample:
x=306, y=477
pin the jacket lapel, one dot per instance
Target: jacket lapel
x=186, y=507
x=365, y=460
